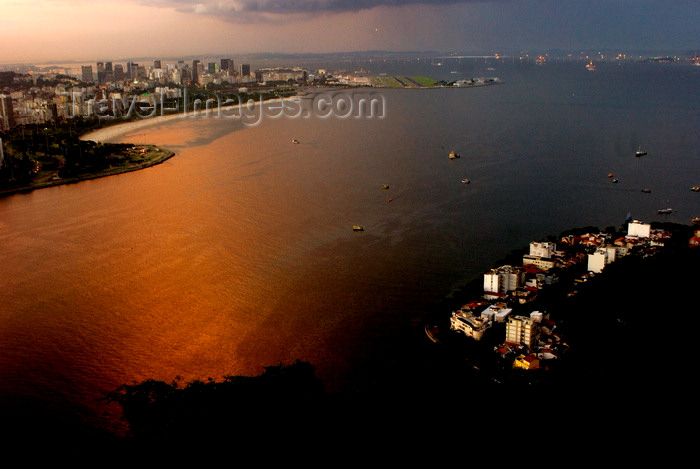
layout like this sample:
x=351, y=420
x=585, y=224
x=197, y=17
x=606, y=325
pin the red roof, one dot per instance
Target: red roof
x=532, y=269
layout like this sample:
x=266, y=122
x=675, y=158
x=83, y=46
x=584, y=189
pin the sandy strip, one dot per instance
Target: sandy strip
x=115, y=130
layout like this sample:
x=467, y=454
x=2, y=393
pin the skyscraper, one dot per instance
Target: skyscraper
x=227, y=65
x=7, y=113
x=244, y=70
x=109, y=72
x=118, y=72
x=131, y=68
x=156, y=64
x=100, y=72
x=195, y=71
x=87, y=74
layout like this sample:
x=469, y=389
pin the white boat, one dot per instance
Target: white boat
x=295, y=141
x=466, y=181
x=640, y=152
x=664, y=211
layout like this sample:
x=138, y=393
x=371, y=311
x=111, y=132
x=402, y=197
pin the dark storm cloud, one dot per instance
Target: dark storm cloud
x=308, y=6
x=232, y=7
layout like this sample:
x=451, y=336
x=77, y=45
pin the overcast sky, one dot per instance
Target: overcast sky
x=87, y=30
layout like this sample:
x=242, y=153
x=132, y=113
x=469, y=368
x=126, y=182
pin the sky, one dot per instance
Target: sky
x=36, y=31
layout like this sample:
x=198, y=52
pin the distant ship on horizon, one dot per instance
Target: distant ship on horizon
x=591, y=66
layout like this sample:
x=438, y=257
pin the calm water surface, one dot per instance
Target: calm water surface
x=238, y=253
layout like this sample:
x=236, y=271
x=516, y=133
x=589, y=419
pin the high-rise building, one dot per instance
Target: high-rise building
x=195, y=70
x=108, y=67
x=244, y=70
x=118, y=72
x=131, y=70
x=87, y=74
x=227, y=65
x=101, y=72
x=156, y=64
x=7, y=113
x=212, y=68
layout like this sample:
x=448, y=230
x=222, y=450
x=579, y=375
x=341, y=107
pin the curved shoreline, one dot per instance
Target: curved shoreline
x=116, y=129
x=163, y=156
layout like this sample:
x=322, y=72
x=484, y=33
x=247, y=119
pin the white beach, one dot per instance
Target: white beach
x=115, y=130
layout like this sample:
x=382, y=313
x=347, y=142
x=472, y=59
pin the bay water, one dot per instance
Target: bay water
x=239, y=253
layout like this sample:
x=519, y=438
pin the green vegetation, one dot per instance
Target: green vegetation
x=425, y=81
x=37, y=156
x=403, y=82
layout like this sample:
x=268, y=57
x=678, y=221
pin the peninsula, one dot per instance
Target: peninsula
x=35, y=156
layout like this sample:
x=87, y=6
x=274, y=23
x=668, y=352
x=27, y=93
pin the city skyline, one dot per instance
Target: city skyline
x=77, y=30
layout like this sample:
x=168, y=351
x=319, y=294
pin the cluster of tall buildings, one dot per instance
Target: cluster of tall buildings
x=178, y=73
x=73, y=91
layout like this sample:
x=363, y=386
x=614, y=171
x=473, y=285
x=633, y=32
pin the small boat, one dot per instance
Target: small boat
x=384, y=186
x=610, y=175
x=664, y=211
x=295, y=141
x=695, y=188
x=357, y=228
x=695, y=220
x=646, y=191
x=591, y=66
x=453, y=155
x=615, y=180
x=466, y=181
x=640, y=152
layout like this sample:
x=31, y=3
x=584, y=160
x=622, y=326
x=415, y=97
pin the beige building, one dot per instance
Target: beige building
x=521, y=330
x=467, y=323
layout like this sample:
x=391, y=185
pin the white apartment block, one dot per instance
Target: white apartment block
x=496, y=312
x=639, y=229
x=542, y=249
x=504, y=279
x=600, y=258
